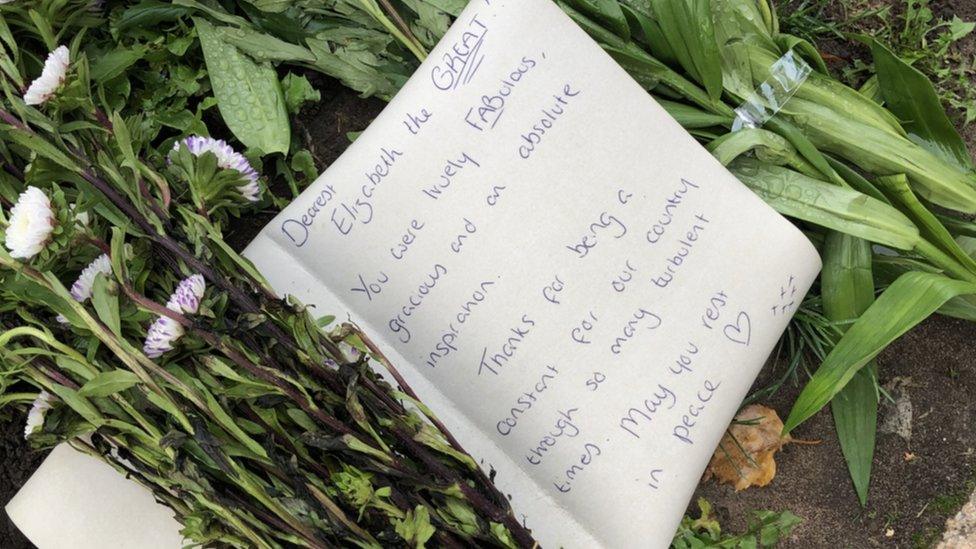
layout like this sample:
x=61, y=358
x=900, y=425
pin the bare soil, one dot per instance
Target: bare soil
x=916, y=484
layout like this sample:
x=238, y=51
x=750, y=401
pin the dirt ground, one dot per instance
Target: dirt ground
x=917, y=482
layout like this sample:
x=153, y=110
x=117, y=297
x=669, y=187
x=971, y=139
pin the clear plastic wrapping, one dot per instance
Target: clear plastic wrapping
x=787, y=74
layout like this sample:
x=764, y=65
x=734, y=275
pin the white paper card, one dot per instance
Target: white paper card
x=74, y=500
x=576, y=287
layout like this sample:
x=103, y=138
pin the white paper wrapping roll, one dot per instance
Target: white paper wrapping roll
x=76, y=501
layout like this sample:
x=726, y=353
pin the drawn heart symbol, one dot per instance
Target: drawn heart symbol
x=741, y=331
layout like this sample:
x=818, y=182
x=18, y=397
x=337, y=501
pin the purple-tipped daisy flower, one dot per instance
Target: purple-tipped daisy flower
x=228, y=159
x=162, y=335
x=165, y=332
x=188, y=294
x=81, y=290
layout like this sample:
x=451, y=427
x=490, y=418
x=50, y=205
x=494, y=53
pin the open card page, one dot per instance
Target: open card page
x=581, y=292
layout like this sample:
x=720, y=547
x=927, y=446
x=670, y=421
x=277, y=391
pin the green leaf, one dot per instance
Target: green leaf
x=298, y=91
x=301, y=418
x=124, y=140
x=911, y=96
x=909, y=300
x=105, y=299
x=42, y=147
x=248, y=95
x=653, y=36
x=42, y=26
x=607, y=12
x=83, y=371
x=274, y=6
x=739, y=24
x=650, y=72
x=901, y=195
x=109, y=383
x=839, y=208
x=415, y=528
x=691, y=117
x=856, y=180
x=261, y=46
x=767, y=146
x=109, y=65
x=847, y=287
x=148, y=13
x=227, y=422
x=855, y=411
x=687, y=27
x=347, y=59
x=79, y=404
x=171, y=408
x=804, y=49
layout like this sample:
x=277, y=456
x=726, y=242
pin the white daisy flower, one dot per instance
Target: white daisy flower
x=228, y=159
x=165, y=332
x=81, y=290
x=51, y=78
x=35, y=418
x=31, y=224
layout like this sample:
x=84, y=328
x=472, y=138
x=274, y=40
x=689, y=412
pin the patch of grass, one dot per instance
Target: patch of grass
x=943, y=506
x=766, y=529
x=949, y=504
x=909, y=27
x=926, y=538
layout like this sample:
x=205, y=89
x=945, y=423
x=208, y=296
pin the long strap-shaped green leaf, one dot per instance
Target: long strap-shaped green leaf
x=847, y=287
x=909, y=300
x=687, y=26
x=909, y=94
x=839, y=208
x=901, y=196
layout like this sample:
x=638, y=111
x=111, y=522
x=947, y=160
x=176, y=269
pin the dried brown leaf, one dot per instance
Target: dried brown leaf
x=745, y=456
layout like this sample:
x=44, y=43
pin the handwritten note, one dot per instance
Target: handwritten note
x=579, y=289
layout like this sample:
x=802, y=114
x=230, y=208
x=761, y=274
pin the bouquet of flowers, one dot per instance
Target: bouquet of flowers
x=138, y=334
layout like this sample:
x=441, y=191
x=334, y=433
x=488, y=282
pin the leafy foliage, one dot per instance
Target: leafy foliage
x=258, y=428
x=766, y=529
x=910, y=28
